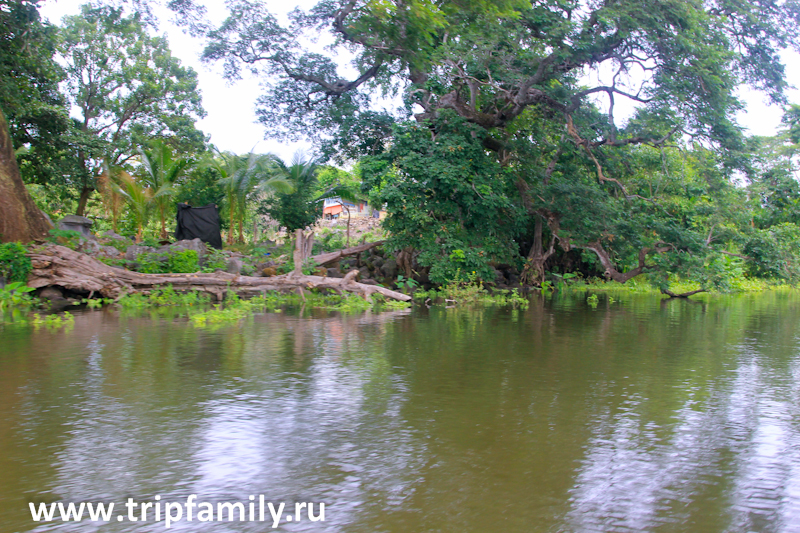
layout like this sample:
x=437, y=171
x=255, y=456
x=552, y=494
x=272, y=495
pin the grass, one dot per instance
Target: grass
x=640, y=285
x=472, y=292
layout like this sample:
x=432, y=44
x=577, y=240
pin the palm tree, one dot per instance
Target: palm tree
x=139, y=198
x=161, y=170
x=241, y=176
x=107, y=184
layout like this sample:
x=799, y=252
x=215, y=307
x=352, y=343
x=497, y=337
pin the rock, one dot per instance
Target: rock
x=499, y=277
x=89, y=247
x=115, y=236
x=135, y=250
x=335, y=273
x=369, y=281
x=75, y=223
x=363, y=273
x=51, y=294
x=321, y=271
x=378, y=261
x=195, y=244
x=389, y=269
x=269, y=271
x=235, y=265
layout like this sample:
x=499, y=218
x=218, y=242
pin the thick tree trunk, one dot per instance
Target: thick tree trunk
x=20, y=219
x=533, y=273
x=302, y=249
x=83, y=199
x=59, y=266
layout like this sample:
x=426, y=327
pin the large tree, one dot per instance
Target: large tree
x=28, y=95
x=541, y=81
x=128, y=88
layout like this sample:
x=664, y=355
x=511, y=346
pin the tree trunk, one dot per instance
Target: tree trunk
x=533, y=273
x=20, y=219
x=302, y=250
x=164, y=235
x=347, y=241
x=332, y=257
x=60, y=266
x=86, y=193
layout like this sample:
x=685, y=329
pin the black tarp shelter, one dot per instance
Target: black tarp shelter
x=199, y=223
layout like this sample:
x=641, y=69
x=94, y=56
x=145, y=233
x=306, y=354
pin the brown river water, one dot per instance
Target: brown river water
x=637, y=415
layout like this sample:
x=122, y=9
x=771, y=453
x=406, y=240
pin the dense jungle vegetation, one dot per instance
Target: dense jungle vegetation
x=488, y=130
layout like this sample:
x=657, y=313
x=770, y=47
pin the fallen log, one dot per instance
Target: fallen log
x=55, y=265
x=331, y=257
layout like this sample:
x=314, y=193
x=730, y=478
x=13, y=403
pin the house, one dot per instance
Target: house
x=336, y=207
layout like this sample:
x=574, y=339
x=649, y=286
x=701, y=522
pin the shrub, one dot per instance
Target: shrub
x=14, y=264
x=183, y=262
x=65, y=237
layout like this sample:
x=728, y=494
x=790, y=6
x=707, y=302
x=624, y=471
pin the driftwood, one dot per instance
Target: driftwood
x=332, y=257
x=59, y=266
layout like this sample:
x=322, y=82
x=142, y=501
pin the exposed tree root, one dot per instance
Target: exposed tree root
x=55, y=265
x=681, y=295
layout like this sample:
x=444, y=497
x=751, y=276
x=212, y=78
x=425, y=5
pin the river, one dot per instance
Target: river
x=641, y=414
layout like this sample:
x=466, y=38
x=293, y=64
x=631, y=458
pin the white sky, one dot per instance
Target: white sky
x=230, y=108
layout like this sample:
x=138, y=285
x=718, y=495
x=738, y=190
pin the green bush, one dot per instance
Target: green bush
x=65, y=237
x=14, y=264
x=775, y=252
x=150, y=263
x=183, y=262
x=215, y=260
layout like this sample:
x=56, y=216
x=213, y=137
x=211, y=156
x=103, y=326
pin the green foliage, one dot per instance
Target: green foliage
x=471, y=292
x=775, y=252
x=184, y=261
x=37, y=112
x=96, y=303
x=151, y=263
x=54, y=322
x=160, y=170
x=15, y=296
x=65, y=237
x=406, y=284
x=215, y=260
x=166, y=296
x=127, y=88
x=15, y=265
x=446, y=198
x=243, y=177
x=179, y=262
x=201, y=187
x=302, y=207
x=592, y=300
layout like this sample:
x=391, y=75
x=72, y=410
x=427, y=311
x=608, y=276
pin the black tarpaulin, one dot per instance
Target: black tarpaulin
x=198, y=223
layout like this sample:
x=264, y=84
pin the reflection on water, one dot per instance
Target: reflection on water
x=640, y=415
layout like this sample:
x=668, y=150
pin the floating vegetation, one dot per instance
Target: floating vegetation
x=54, y=322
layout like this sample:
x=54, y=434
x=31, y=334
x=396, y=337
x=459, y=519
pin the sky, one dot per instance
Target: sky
x=230, y=107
